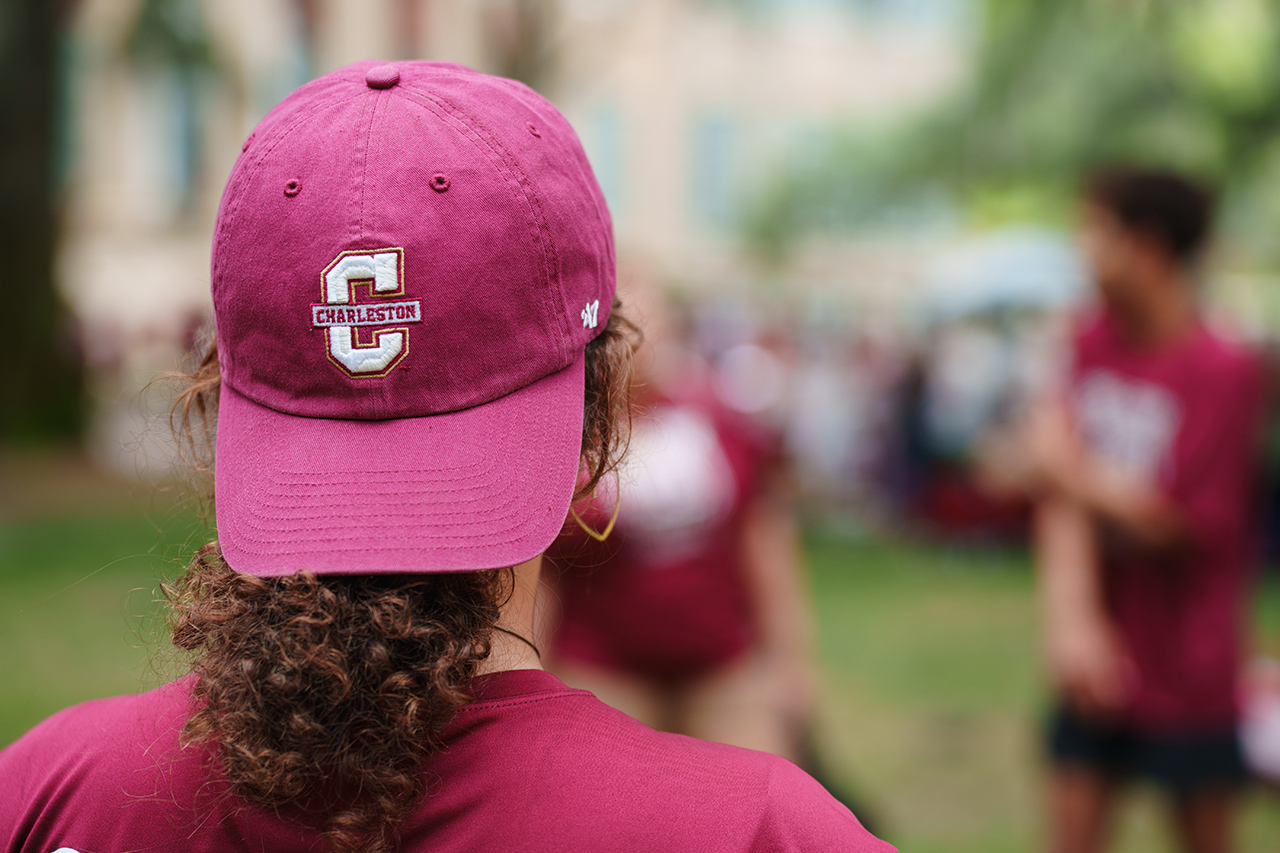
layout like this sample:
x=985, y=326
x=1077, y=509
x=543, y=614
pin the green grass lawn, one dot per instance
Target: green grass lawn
x=79, y=608
x=933, y=689
x=935, y=697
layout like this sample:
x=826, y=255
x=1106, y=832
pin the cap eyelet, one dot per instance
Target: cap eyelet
x=292, y=188
x=439, y=183
x=534, y=130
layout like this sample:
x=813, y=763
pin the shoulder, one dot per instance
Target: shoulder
x=763, y=801
x=739, y=799
x=1229, y=351
x=800, y=814
x=96, y=755
x=76, y=729
x=635, y=788
x=95, y=724
x=1230, y=367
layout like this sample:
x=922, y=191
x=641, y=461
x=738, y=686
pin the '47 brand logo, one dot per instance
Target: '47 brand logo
x=382, y=271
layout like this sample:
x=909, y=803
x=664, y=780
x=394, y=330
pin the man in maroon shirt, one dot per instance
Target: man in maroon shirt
x=1143, y=536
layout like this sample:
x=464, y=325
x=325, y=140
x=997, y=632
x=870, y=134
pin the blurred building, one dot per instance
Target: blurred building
x=686, y=108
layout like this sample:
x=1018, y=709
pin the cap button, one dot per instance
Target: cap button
x=382, y=76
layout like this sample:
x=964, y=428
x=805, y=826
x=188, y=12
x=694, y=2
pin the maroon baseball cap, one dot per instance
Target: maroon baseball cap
x=408, y=263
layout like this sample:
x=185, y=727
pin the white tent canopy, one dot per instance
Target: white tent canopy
x=1010, y=269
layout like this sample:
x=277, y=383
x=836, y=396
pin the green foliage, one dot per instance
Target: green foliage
x=1056, y=87
x=80, y=608
x=170, y=33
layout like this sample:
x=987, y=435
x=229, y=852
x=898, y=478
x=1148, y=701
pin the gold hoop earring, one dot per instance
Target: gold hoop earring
x=599, y=537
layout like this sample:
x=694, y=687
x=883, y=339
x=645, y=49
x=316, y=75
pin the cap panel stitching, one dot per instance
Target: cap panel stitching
x=483, y=136
x=364, y=166
x=522, y=188
x=536, y=104
x=233, y=196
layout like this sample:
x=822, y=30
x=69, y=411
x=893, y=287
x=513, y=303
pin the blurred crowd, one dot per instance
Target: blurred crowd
x=880, y=422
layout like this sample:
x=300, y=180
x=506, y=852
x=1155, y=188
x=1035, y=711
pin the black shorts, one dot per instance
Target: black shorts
x=1179, y=762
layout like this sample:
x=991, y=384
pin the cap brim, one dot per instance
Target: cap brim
x=483, y=488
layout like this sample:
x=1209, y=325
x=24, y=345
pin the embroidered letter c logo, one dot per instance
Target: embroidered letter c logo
x=341, y=317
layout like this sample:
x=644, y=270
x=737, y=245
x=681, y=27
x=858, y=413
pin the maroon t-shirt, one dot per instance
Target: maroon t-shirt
x=1184, y=418
x=531, y=766
x=666, y=596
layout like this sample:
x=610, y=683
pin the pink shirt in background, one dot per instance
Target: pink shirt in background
x=666, y=596
x=1184, y=418
x=532, y=766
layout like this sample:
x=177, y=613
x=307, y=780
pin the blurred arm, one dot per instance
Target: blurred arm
x=776, y=572
x=1067, y=468
x=1085, y=659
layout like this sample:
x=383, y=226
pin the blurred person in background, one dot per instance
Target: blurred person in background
x=1143, y=466
x=692, y=614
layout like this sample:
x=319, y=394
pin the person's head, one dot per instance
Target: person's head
x=663, y=356
x=418, y=365
x=1144, y=229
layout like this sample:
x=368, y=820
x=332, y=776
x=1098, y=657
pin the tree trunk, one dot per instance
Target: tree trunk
x=41, y=394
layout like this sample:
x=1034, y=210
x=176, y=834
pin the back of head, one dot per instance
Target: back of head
x=417, y=366
x=1175, y=209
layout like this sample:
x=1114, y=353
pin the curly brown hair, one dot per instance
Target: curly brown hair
x=324, y=694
